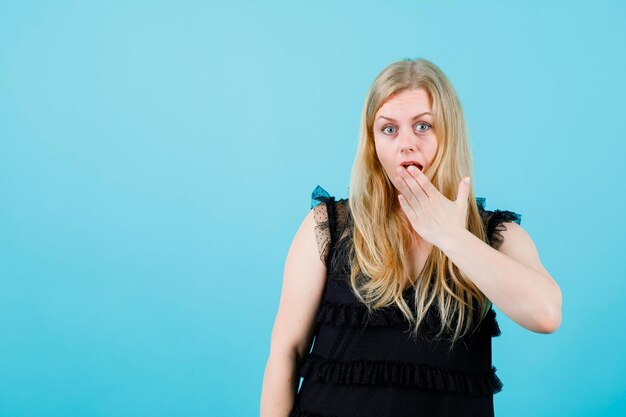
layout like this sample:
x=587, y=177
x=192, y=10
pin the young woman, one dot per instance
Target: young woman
x=396, y=283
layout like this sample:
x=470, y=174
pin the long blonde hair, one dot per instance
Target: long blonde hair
x=381, y=236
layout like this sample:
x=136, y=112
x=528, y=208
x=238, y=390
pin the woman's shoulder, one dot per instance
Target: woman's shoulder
x=330, y=215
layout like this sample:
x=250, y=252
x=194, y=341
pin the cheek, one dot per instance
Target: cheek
x=388, y=164
x=386, y=154
x=432, y=147
x=381, y=152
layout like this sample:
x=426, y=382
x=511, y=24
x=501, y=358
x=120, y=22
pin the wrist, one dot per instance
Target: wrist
x=453, y=239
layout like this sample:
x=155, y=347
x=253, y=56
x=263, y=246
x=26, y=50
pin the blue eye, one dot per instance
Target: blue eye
x=424, y=124
x=427, y=126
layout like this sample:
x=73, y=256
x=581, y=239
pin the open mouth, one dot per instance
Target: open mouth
x=418, y=166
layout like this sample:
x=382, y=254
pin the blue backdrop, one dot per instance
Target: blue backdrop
x=156, y=159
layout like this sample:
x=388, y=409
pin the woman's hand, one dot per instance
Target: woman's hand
x=435, y=218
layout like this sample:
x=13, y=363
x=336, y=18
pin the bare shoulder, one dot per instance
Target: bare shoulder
x=304, y=280
x=519, y=245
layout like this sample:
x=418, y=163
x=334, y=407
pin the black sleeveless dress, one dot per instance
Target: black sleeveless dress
x=368, y=366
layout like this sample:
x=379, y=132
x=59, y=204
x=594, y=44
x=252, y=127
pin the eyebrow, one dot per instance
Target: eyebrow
x=414, y=117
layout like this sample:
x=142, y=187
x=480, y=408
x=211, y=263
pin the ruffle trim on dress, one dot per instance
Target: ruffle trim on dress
x=320, y=195
x=494, y=222
x=491, y=324
x=480, y=202
x=495, y=225
x=356, y=315
x=299, y=412
x=379, y=373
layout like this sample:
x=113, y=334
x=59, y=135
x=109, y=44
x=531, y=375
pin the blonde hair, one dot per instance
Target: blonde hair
x=382, y=236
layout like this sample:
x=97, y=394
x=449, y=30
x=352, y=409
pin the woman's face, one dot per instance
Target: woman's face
x=403, y=131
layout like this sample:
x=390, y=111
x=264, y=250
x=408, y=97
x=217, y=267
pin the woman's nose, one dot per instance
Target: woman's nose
x=407, y=142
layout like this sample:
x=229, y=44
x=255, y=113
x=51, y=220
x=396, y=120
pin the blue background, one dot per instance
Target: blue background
x=156, y=159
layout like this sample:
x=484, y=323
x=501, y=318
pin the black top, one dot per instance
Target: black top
x=362, y=366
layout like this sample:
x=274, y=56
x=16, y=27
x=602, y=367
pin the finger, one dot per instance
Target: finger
x=408, y=189
x=428, y=187
x=463, y=191
x=411, y=178
x=406, y=192
x=408, y=209
x=462, y=199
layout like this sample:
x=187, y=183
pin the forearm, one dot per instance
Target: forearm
x=527, y=296
x=280, y=383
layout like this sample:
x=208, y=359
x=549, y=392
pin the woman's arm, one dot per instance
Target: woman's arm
x=303, y=286
x=512, y=277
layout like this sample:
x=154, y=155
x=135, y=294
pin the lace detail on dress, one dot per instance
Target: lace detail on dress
x=322, y=227
x=494, y=220
x=356, y=315
x=330, y=220
x=385, y=372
